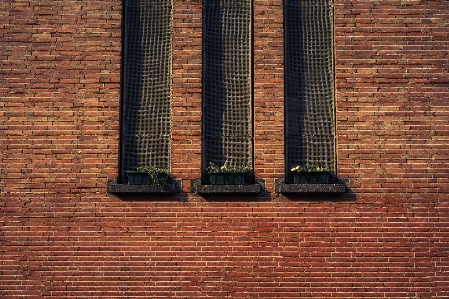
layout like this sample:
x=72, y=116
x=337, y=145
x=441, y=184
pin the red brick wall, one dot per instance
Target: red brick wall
x=63, y=236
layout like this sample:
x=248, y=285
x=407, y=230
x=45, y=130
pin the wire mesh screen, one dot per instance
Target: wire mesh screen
x=309, y=92
x=227, y=94
x=146, y=94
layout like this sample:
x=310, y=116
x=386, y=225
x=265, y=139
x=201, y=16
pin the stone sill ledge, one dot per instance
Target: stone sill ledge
x=251, y=189
x=116, y=188
x=282, y=187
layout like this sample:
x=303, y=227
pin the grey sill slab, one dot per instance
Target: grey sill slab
x=114, y=187
x=251, y=189
x=282, y=187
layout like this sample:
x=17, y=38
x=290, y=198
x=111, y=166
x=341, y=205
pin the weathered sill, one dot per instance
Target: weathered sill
x=116, y=188
x=250, y=189
x=282, y=187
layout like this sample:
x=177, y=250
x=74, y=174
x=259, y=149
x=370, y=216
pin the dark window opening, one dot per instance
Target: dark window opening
x=146, y=84
x=309, y=84
x=227, y=84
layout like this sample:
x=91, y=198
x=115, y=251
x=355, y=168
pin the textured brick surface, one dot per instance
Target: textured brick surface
x=63, y=236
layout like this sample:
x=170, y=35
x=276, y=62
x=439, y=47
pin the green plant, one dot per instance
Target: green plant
x=212, y=168
x=159, y=176
x=299, y=168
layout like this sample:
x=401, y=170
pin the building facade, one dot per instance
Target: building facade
x=66, y=233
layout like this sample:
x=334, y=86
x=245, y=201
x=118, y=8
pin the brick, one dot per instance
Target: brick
x=63, y=236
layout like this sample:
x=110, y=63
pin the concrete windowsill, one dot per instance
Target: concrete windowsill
x=116, y=188
x=282, y=187
x=250, y=189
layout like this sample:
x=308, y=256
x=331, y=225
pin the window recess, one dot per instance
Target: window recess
x=227, y=84
x=309, y=85
x=146, y=85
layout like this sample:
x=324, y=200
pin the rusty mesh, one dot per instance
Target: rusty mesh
x=309, y=84
x=227, y=93
x=146, y=93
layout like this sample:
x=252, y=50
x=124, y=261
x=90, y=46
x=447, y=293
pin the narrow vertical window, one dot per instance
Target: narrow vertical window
x=227, y=83
x=146, y=84
x=309, y=84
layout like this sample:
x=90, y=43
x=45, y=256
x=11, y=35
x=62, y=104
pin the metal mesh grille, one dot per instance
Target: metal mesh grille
x=309, y=92
x=146, y=84
x=227, y=95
